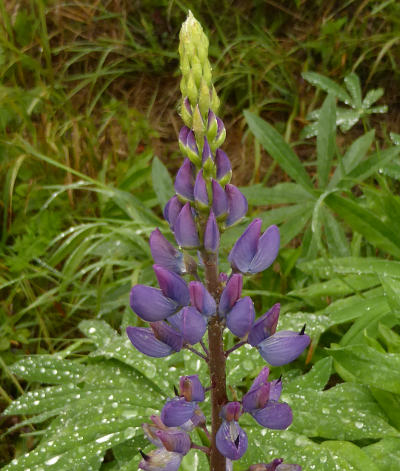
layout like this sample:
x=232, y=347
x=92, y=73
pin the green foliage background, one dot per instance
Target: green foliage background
x=88, y=147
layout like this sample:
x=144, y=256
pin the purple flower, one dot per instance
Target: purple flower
x=211, y=234
x=161, y=460
x=265, y=326
x=160, y=340
x=191, y=388
x=237, y=205
x=172, y=210
x=253, y=253
x=283, y=347
x=184, y=181
x=261, y=401
x=207, y=154
x=200, y=191
x=201, y=299
x=185, y=229
x=152, y=304
x=177, y=411
x=241, y=317
x=183, y=135
x=190, y=323
x=224, y=169
x=231, y=440
x=165, y=254
x=174, y=440
x=277, y=348
x=231, y=293
x=191, y=149
x=220, y=200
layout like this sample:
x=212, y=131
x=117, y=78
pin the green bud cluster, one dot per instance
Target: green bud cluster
x=196, y=83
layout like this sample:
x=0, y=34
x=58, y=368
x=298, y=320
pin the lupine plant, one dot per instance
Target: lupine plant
x=198, y=304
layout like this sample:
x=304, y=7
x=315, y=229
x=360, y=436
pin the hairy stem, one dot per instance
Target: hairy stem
x=216, y=362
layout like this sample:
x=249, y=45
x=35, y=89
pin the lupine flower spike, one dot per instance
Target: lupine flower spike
x=193, y=297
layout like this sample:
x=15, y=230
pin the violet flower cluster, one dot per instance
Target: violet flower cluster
x=193, y=296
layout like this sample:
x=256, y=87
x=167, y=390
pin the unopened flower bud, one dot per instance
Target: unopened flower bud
x=211, y=234
x=191, y=388
x=224, y=169
x=184, y=181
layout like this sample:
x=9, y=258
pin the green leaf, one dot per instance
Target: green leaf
x=366, y=223
x=338, y=244
x=326, y=84
x=363, y=364
x=368, y=167
x=391, y=287
x=390, y=403
x=279, y=150
x=345, y=412
x=326, y=140
x=314, y=379
x=352, y=265
x=162, y=182
x=372, y=96
x=355, y=456
x=337, y=286
x=287, y=192
x=386, y=453
x=265, y=445
x=353, y=156
x=48, y=369
x=354, y=87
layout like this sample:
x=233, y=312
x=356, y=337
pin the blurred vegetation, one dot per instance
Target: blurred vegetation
x=88, y=98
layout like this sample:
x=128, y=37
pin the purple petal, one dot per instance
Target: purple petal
x=191, y=388
x=150, y=304
x=190, y=323
x=184, y=181
x=261, y=379
x=265, y=326
x=221, y=131
x=237, y=205
x=211, y=234
x=172, y=210
x=174, y=440
x=256, y=398
x=197, y=419
x=192, y=149
x=185, y=229
x=241, y=317
x=231, y=440
x=231, y=294
x=231, y=411
x=166, y=334
x=161, y=460
x=201, y=299
x=143, y=339
x=245, y=247
x=275, y=390
x=266, y=467
x=177, y=411
x=220, y=201
x=150, y=432
x=183, y=134
x=172, y=285
x=165, y=254
x=275, y=415
x=200, y=190
x=267, y=250
x=223, y=164
x=283, y=347
x=206, y=152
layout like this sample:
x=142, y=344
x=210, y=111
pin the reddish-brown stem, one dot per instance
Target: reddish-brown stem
x=204, y=449
x=216, y=362
x=235, y=347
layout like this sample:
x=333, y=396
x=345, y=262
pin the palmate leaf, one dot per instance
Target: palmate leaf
x=363, y=364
